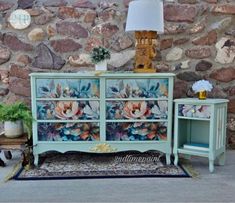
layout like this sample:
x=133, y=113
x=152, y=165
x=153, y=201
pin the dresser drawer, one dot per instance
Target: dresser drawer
x=68, y=110
x=137, y=109
x=194, y=111
x=136, y=88
x=68, y=131
x=136, y=131
x=67, y=88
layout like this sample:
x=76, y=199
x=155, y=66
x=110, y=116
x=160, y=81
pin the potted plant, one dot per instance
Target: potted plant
x=15, y=117
x=99, y=56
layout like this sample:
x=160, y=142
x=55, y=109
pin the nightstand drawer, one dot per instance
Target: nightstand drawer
x=67, y=88
x=194, y=111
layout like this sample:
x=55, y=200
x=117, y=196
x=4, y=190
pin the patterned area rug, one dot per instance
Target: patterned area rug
x=89, y=165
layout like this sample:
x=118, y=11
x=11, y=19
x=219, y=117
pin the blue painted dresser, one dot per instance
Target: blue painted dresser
x=101, y=113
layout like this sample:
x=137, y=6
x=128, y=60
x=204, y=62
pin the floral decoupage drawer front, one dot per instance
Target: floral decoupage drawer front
x=197, y=111
x=68, y=110
x=136, y=109
x=67, y=88
x=68, y=131
x=136, y=88
x=136, y=131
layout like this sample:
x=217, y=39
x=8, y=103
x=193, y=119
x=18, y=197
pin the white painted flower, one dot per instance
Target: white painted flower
x=188, y=110
x=160, y=110
x=92, y=110
x=203, y=111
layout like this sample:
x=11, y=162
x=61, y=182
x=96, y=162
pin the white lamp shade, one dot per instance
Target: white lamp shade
x=145, y=15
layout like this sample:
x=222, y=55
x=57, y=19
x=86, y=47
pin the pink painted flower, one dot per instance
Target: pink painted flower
x=136, y=109
x=67, y=110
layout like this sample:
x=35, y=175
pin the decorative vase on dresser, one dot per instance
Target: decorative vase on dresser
x=103, y=113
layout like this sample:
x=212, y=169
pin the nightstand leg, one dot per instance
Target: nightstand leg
x=168, y=159
x=176, y=159
x=211, y=166
x=221, y=159
x=36, y=156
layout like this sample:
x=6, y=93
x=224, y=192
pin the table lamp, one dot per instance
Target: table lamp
x=145, y=17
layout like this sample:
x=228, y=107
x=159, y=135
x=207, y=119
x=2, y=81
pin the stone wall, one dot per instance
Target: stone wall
x=198, y=42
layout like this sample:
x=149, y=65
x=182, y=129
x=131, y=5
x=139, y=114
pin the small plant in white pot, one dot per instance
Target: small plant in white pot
x=15, y=117
x=99, y=56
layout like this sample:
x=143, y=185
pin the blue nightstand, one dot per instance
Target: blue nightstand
x=200, y=129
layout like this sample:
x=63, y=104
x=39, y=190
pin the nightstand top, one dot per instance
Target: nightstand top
x=199, y=101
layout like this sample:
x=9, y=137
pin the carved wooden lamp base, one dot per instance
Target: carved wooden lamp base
x=145, y=51
x=145, y=70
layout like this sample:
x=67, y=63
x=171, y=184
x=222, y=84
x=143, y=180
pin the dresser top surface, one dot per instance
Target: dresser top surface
x=199, y=101
x=102, y=74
